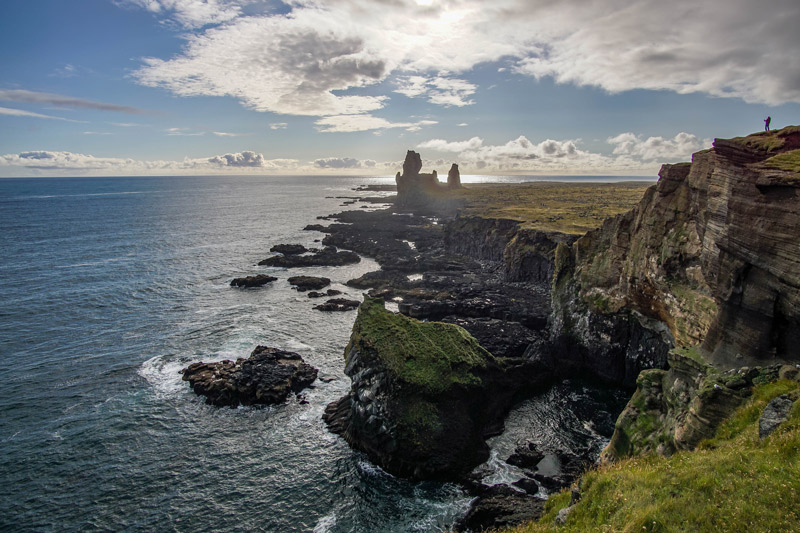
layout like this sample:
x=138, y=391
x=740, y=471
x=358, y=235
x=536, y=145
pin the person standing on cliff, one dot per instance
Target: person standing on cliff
x=766, y=123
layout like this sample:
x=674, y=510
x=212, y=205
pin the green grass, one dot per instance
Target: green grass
x=431, y=355
x=786, y=161
x=733, y=482
x=566, y=207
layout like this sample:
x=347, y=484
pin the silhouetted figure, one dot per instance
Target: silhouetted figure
x=766, y=123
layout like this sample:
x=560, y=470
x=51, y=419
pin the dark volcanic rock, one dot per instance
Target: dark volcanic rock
x=289, y=249
x=338, y=304
x=501, y=506
x=305, y=283
x=423, y=397
x=266, y=377
x=253, y=281
x=328, y=256
x=329, y=292
x=526, y=456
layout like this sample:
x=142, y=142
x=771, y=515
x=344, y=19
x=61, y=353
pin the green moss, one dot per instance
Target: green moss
x=786, y=161
x=431, y=355
x=740, y=483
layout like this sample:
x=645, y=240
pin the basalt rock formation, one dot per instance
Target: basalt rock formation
x=266, y=377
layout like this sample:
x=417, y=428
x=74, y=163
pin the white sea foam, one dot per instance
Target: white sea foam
x=163, y=374
x=325, y=523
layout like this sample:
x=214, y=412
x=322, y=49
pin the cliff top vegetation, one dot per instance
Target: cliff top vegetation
x=573, y=208
x=431, y=355
x=732, y=482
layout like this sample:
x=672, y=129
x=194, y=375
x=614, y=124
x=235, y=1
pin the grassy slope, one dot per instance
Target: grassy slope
x=566, y=207
x=734, y=482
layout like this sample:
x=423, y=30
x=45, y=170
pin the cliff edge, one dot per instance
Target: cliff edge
x=708, y=257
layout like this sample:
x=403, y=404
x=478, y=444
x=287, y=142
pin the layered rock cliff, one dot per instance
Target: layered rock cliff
x=703, y=278
x=709, y=256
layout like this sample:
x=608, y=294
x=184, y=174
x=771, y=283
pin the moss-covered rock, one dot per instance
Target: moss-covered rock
x=423, y=397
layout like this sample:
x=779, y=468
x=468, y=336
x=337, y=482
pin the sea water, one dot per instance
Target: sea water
x=108, y=288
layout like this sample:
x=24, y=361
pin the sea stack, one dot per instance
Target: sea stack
x=417, y=189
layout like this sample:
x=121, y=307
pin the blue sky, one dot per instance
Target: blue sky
x=142, y=87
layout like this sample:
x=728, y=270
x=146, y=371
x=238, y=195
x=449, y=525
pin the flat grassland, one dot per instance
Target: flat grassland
x=552, y=206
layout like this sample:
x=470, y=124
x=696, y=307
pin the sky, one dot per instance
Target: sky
x=548, y=87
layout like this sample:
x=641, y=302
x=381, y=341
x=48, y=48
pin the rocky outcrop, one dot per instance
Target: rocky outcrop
x=289, y=249
x=708, y=256
x=676, y=409
x=328, y=256
x=338, y=304
x=253, y=281
x=305, y=283
x=775, y=414
x=266, y=377
x=424, y=395
x=415, y=189
x=454, y=178
x=527, y=255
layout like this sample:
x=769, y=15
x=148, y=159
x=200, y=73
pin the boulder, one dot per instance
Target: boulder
x=253, y=281
x=775, y=413
x=305, y=283
x=500, y=507
x=289, y=249
x=328, y=256
x=338, y=304
x=266, y=377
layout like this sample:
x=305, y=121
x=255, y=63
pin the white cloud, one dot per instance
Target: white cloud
x=351, y=123
x=679, y=148
x=32, y=97
x=442, y=145
x=61, y=163
x=183, y=132
x=20, y=113
x=227, y=134
x=278, y=126
x=444, y=91
x=308, y=61
x=241, y=159
x=340, y=162
x=192, y=13
x=462, y=125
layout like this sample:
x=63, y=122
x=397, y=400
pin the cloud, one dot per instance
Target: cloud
x=278, y=126
x=442, y=145
x=32, y=97
x=227, y=134
x=183, y=132
x=344, y=162
x=97, y=133
x=679, y=148
x=61, y=162
x=447, y=92
x=191, y=13
x=242, y=159
x=20, y=113
x=462, y=125
x=351, y=123
x=314, y=59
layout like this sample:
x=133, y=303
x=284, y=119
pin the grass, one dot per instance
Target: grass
x=786, y=161
x=573, y=208
x=431, y=355
x=733, y=482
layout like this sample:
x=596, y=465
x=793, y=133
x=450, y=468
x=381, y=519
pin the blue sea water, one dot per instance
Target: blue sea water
x=108, y=287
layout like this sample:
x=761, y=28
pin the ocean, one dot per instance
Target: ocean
x=110, y=286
